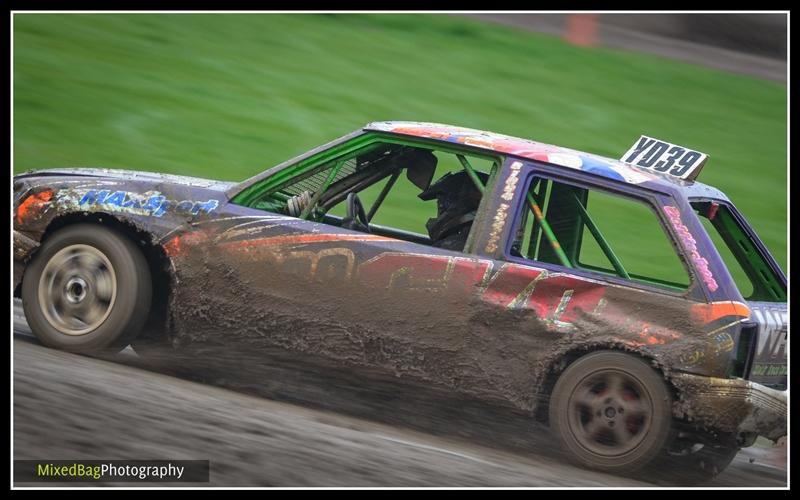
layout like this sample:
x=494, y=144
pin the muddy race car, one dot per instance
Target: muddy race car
x=624, y=304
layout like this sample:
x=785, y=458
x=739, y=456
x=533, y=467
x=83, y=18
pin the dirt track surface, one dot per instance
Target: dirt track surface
x=312, y=431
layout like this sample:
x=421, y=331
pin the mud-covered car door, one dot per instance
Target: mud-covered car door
x=376, y=296
x=360, y=299
x=260, y=279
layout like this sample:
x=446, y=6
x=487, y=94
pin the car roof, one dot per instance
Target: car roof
x=507, y=145
x=548, y=153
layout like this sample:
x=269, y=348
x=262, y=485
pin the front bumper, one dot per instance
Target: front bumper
x=731, y=405
x=23, y=246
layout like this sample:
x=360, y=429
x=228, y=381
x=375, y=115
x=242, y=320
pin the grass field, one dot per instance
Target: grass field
x=226, y=96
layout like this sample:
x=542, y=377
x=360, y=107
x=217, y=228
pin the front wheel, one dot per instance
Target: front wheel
x=612, y=411
x=88, y=289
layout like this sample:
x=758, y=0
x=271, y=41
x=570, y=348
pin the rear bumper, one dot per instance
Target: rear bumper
x=731, y=405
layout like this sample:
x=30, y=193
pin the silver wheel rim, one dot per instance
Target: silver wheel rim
x=77, y=289
x=610, y=413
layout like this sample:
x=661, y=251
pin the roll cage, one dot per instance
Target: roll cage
x=310, y=185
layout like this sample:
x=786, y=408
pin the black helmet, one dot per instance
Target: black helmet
x=457, y=200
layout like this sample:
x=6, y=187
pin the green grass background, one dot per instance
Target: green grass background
x=227, y=96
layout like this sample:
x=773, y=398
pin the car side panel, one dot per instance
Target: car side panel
x=473, y=324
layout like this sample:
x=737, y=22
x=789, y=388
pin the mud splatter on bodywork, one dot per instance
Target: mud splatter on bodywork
x=486, y=328
x=150, y=203
x=730, y=405
x=23, y=247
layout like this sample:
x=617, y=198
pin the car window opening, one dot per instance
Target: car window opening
x=751, y=273
x=559, y=226
x=332, y=193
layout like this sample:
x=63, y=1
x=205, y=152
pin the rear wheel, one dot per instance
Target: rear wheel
x=88, y=289
x=612, y=411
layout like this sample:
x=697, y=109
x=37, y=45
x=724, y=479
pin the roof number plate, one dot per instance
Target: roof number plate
x=671, y=159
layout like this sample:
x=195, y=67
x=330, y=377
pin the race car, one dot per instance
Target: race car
x=521, y=288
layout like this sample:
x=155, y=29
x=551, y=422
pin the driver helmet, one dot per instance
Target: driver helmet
x=457, y=200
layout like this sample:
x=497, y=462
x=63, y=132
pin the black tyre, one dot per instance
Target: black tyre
x=612, y=411
x=88, y=289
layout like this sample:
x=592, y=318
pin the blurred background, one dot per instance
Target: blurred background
x=227, y=95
